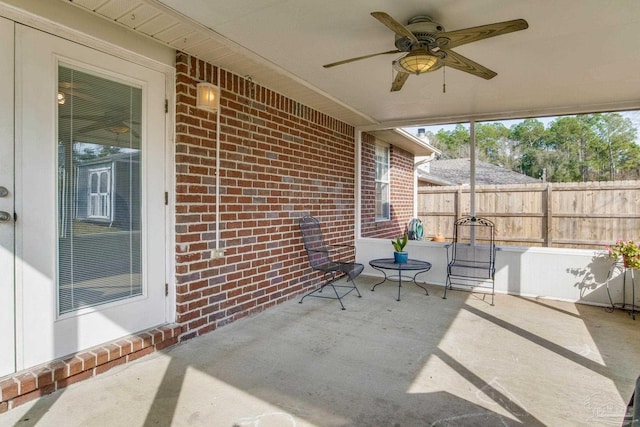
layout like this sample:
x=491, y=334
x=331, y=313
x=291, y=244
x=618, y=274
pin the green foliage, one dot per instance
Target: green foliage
x=454, y=144
x=625, y=249
x=400, y=243
x=492, y=142
x=587, y=147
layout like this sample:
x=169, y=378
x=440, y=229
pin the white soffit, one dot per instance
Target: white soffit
x=576, y=55
x=154, y=20
x=406, y=141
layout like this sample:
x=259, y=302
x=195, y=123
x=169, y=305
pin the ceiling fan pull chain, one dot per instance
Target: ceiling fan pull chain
x=444, y=80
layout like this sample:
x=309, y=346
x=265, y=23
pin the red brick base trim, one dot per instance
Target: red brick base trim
x=32, y=383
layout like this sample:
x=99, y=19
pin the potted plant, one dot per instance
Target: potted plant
x=400, y=256
x=628, y=250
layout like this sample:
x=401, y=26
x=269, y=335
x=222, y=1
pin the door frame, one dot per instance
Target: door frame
x=133, y=48
x=7, y=204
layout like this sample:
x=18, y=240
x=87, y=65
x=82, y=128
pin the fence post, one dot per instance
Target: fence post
x=458, y=206
x=549, y=216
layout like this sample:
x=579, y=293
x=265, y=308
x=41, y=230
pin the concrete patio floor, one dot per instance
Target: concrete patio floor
x=418, y=362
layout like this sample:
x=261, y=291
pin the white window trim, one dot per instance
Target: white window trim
x=100, y=195
x=378, y=180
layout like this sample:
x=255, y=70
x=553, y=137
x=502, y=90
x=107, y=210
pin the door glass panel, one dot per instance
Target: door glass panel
x=99, y=190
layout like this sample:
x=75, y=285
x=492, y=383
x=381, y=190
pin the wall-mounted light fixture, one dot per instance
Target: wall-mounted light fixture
x=208, y=97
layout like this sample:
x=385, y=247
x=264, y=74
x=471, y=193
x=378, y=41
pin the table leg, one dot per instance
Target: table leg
x=382, y=281
x=416, y=283
x=609, y=277
x=633, y=295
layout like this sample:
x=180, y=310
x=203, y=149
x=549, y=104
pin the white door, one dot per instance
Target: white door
x=7, y=298
x=89, y=185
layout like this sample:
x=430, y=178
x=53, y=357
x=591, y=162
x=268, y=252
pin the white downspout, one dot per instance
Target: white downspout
x=472, y=184
x=472, y=156
x=358, y=192
x=218, y=253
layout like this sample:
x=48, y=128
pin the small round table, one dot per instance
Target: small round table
x=414, y=266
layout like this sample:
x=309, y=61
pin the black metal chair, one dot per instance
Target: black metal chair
x=632, y=417
x=471, y=257
x=330, y=259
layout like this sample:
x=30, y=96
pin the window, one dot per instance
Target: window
x=382, y=183
x=99, y=202
x=99, y=190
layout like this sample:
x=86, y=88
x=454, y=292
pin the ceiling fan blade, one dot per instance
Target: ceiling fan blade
x=459, y=62
x=91, y=128
x=394, y=26
x=103, y=123
x=94, y=117
x=468, y=35
x=398, y=82
x=346, y=61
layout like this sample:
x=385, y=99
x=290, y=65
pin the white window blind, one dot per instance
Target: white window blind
x=99, y=190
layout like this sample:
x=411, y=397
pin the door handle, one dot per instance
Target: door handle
x=3, y=191
x=5, y=216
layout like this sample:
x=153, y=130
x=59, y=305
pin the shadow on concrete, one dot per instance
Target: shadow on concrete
x=420, y=361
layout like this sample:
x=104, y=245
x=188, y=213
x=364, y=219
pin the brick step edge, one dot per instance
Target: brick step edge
x=41, y=380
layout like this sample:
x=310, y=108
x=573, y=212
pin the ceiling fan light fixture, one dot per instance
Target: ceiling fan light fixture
x=417, y=61
x=118, y=130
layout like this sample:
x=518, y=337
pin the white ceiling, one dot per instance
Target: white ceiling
x=576, y=55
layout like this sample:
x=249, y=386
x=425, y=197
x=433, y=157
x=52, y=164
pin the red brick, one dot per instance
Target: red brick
x=125, y=347
x=139, y=354
x=110, y=365
x=44, y=377
x=147, y=339
x=74, y=379
x=166, y=343
x=24, y=398
x=136, y=343
x=59, y=370
x=9, y=389
x=114, y=351
x=27, y=382
x=74, y=366
x=101, y=355
x=88, y=360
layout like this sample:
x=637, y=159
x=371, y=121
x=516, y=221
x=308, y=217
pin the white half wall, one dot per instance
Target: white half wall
x=573, y=275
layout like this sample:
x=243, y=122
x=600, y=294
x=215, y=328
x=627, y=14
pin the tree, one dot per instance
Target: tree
x=528, y=148
x=586, y=147
x=454, y=144
x=89, y=151
x=618, y=154
x=493, y=144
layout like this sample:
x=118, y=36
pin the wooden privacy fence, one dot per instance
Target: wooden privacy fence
x=571, y=215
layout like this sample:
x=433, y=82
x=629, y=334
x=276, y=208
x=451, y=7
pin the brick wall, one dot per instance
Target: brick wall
x=402, y=182
x=279, y=160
